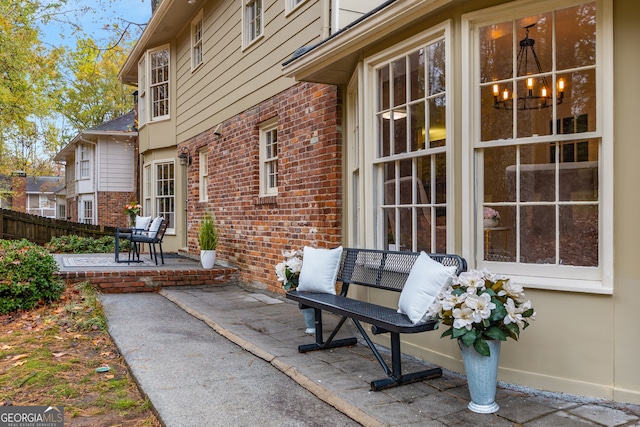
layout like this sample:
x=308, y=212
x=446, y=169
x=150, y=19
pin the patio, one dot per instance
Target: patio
x=111, y=277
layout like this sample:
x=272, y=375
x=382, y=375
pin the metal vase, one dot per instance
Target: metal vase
x=482, y=377
x=309, y=318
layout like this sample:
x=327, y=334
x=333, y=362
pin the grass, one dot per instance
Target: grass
x=49, y=356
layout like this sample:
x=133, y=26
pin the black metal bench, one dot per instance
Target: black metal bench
x=376, y=269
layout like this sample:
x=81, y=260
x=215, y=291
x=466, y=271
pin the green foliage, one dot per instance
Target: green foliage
x=95, y=94
x=208, y=233
x=72, y=244
x=28, y=276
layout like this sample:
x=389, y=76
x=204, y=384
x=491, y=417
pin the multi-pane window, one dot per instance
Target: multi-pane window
x=204, y=176
x=196, y=41
x=84, y=160
x=142, y=91
x=269, y=159
x=253, y=20
x=159, y=83
x=292, y=4
x=62, y=211
x=411, y=158
x=86, y=211
x=147, y=207
x=165, y=192
x=539, y=146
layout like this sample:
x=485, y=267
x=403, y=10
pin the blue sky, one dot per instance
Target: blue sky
x=97, y=21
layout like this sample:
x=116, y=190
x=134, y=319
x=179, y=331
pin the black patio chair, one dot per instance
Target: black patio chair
x=153, y=237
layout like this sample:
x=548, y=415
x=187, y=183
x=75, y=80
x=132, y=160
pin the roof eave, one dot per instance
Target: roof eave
x=333, y=60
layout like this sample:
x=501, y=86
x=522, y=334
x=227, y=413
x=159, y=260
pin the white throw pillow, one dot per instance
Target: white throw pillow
x=320, y=270
x=426, y=280
x=142, y=222
x=155, y=226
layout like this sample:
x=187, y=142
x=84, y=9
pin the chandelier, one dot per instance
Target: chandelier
x=534, y=98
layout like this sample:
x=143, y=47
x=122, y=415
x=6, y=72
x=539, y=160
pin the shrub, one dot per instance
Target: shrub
x=72, y=244
x=28, y=276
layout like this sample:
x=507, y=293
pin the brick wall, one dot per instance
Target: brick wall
x=308, y=208
x=111, y=208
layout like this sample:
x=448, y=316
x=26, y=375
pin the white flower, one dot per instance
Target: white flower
x=514, y=314
x=463, y=318
x=481, y=305
x=512, y=290
x=473, y=280
x=294, y=264
x=281, y=272
x=450, y=300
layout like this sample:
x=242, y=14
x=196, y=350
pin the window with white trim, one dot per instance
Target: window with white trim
x=196, y=41
x=84, y=160
x=148, y=193
x=142, y=91
x=158, y=81
x=411, y=155
x=292, y=4
x=204, y=175
x=85, y=214
x=539, y=139
x=269, y=158
x=253, y=18
x=165, y=195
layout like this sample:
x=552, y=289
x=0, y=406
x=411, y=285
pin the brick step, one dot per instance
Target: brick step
x=151, y=280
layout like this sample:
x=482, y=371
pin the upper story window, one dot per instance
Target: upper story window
x=153, y=85
x=196, y=41
x=253, y=20
x=539, y=142
x=269, y=158
x=204, y=175
x=84, y=161
x=159, y=83
x=292, y=4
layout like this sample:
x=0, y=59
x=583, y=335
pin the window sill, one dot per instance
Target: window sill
x=266, y=200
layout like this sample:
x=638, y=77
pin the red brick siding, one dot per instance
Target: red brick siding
x=111, y=208
x=308, y=208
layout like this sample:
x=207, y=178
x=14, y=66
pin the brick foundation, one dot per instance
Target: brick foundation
x=150, y=280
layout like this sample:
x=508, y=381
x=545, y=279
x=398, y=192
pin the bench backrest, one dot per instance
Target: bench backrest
x=385, y=269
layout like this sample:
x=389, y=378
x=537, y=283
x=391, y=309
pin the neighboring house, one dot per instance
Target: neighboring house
x=101, y=173
x=306, y=122
x=34, y=195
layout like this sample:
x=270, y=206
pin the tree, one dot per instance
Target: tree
x=93, y=94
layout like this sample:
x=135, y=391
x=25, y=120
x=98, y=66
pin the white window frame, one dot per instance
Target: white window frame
x=252, y=21
x=564, y=278
x=371, y=174
x=147, y=207
x=86, y=203
x=204, y=175
x=142, y=91
x=267, y=130
x=84, y=161
x=158, y=86
x=151, y=196
x=196, y=41
x=291, y=5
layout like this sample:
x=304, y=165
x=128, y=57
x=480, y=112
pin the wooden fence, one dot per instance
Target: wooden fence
x=37, y=229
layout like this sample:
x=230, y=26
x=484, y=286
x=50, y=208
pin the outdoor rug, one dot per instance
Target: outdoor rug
x=94, y=262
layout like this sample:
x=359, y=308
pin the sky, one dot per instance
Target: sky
x=96, y=22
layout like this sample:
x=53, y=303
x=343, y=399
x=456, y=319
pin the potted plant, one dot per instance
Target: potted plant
x=490, y=217
x=288, y=273
x=208, y=241
x=482, y=309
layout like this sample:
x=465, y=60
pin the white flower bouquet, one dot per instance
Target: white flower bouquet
x=288, y=271
x=479, y=306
